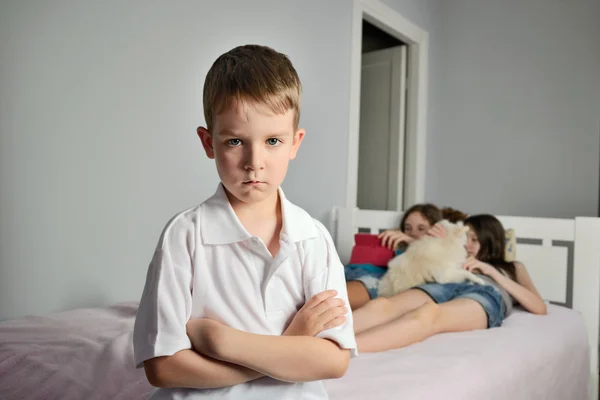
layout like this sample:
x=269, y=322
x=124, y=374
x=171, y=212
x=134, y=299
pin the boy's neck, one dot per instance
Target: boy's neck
x=267, y=210
x=263, y=220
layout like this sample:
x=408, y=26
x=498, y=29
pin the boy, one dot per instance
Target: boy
x=222, y=314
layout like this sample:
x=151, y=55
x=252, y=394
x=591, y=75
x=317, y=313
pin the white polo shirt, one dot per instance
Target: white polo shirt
x=207, y=265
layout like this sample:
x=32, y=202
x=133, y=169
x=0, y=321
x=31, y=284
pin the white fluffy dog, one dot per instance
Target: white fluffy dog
x=430, y=259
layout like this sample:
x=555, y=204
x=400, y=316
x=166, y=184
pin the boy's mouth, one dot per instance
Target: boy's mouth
x=252, y=182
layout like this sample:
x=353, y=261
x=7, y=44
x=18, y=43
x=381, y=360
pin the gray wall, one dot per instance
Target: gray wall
x=517, y=95
x=99, y=102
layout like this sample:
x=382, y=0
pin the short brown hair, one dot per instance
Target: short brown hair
x=429, y=211
x=252, y=73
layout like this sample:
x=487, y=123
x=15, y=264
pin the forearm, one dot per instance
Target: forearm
x=528, y=300
x=286, y=358
x=188, y=369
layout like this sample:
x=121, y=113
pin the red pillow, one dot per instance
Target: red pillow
x=368, y=250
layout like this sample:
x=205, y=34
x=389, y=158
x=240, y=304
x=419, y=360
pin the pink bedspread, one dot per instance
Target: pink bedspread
x=529, y=358
x=88, y=354
x=79, y=354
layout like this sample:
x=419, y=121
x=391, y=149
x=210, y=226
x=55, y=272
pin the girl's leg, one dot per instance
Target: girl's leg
x=454, y=316
x=385, y=309
x=358, y=295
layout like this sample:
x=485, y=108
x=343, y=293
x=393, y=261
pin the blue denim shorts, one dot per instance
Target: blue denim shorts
x=368, y=274
x=486, y=295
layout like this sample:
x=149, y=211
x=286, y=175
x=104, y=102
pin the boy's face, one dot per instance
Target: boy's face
x=252, y=148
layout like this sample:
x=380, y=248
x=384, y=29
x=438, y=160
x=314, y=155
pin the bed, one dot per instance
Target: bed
x=535, y=357
x=87, y=353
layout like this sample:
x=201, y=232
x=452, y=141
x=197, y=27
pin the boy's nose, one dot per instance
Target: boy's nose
x=255, y=158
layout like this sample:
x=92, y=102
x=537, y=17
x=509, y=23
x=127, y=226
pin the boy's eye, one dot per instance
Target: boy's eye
x=234, y=142
x=273, y=141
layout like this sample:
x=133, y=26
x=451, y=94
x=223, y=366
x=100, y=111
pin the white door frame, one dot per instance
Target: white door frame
x=390, y=21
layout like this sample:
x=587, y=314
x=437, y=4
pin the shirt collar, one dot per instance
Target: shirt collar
x=220, y=224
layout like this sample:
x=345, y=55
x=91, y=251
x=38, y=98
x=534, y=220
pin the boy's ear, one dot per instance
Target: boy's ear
x=207, y=141
x=298, y=136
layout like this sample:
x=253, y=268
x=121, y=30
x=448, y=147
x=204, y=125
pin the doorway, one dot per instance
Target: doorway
x=382, y=121
x=394, y=178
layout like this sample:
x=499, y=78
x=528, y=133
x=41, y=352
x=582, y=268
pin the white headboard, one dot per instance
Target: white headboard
x=562, y=256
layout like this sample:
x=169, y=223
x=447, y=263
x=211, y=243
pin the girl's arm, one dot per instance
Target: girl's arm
x=523, y=290
x=533, y=301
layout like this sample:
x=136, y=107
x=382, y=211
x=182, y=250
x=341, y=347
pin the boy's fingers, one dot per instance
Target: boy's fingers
x=335, y=322
x=333, y=313
x=330, y=318
x=326, y=305
x=319, y=298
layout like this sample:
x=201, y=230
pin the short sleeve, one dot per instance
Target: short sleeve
x=166, y=303
x=331, y=277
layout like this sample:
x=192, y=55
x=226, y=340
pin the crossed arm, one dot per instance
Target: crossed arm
x=223, y=356
x=189, y=369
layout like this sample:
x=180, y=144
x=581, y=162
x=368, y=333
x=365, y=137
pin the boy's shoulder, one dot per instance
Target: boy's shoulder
x=190, y=220
x=212, y=206
x=300, y=225
x=312, y=239
x=181, y=224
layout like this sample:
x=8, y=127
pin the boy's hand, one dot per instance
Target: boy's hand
x=320, y=313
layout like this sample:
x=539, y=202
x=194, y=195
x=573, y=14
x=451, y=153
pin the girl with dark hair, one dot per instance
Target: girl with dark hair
x=423, y=311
